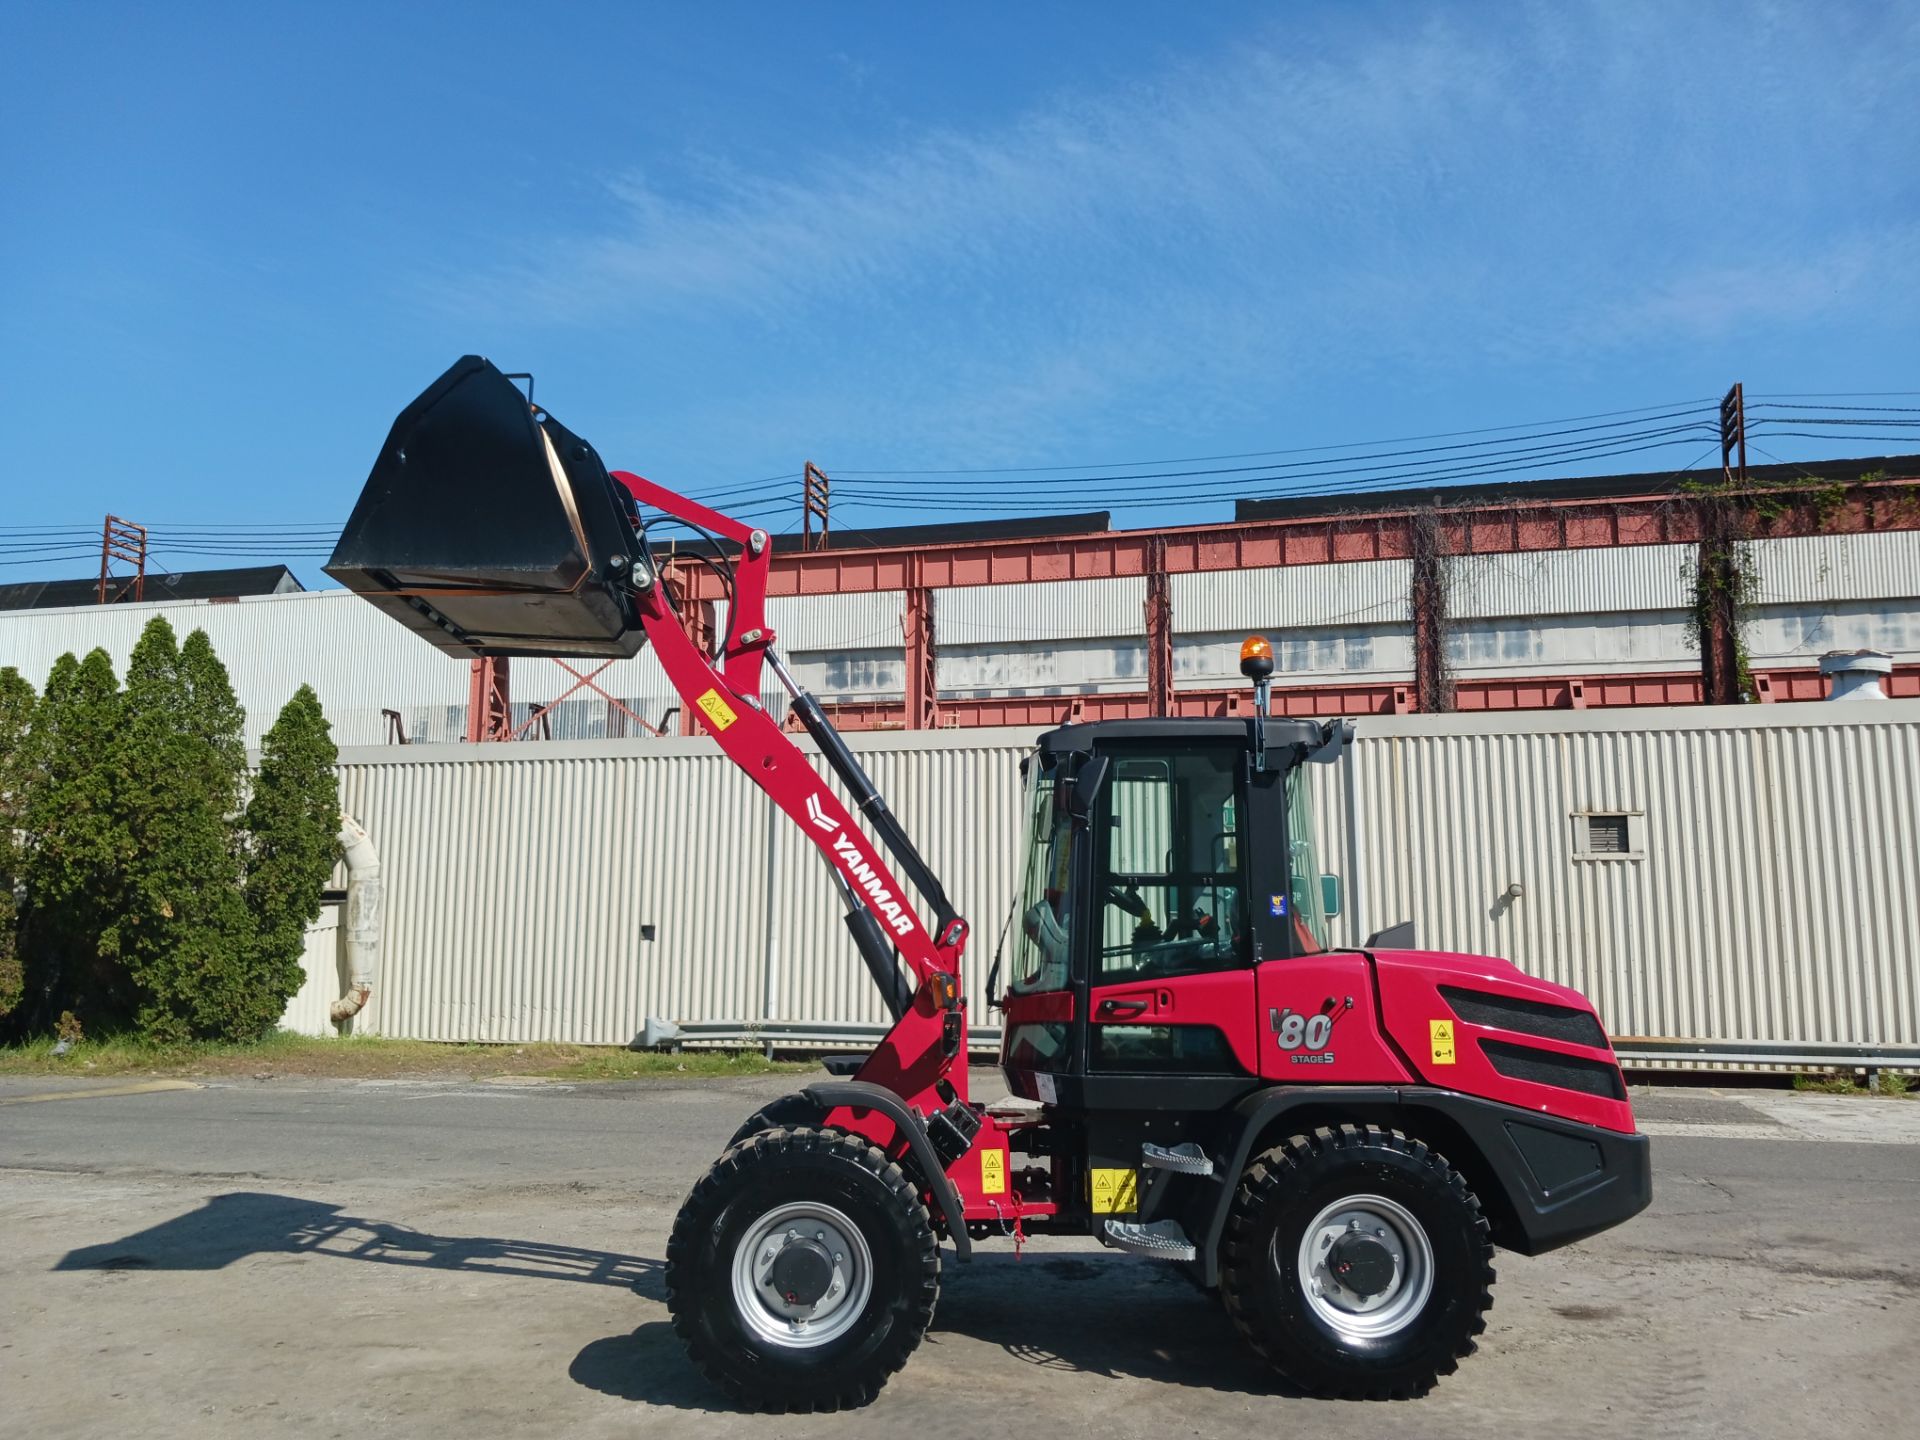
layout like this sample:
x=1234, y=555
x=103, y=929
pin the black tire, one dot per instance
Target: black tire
x=789, y=1112
x=821, y=1168
x=1302, y=1332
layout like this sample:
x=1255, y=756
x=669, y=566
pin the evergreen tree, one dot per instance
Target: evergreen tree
x=16, y=715
x=184, y=929
x=76, y=844
x=293, y=821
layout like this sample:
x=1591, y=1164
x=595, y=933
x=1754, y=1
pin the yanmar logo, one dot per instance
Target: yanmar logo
x=861, y=871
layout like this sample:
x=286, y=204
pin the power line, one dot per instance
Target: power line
x=1300, y=450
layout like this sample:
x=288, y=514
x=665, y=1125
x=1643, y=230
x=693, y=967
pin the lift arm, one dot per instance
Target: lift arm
x=929, y=1030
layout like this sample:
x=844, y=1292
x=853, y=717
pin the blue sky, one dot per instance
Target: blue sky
x=235, y=240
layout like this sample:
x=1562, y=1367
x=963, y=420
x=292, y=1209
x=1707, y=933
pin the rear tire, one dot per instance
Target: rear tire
x=789, y=1112
x=833, y=1211
x=1357, y=1263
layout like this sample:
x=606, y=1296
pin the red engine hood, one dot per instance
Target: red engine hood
x=1519, y=1054
x=1450, y=967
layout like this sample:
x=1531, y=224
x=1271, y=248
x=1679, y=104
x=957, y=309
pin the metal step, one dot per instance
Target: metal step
x=1186, y=1159
x=1163, y=1239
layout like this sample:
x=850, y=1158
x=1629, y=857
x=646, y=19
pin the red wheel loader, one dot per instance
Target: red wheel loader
x=1333, y=1140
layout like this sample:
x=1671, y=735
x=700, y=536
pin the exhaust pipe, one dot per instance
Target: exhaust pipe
x=360, y=920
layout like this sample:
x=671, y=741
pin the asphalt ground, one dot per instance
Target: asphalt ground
x=323, y=1258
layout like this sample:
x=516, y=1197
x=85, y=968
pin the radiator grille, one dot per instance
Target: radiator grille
x=1549, y=1067
x=1529, y=1017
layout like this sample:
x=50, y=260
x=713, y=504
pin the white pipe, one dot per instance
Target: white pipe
x=360, y=919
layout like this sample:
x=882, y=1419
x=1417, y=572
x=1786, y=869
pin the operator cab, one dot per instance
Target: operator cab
x=1166, y=860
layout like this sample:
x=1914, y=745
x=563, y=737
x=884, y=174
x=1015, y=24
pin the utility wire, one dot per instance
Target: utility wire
x=1677, y=405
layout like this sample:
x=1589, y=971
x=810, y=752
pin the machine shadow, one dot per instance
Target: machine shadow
x=231, y=1227
x=1094, y=1315
x=1099, y=1315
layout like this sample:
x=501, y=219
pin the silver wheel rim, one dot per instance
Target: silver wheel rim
x=1342, y=1311
x=766, y=1312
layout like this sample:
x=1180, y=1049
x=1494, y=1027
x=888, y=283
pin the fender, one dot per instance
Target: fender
x=1248, y=1119
x=1544, y=1181
x=831, y=1095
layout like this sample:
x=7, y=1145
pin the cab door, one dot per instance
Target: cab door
x=1170, y=988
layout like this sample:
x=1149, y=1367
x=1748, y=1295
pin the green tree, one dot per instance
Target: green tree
x=76, y=844
x=293, y=823
x=16, y=715
x=184, y=928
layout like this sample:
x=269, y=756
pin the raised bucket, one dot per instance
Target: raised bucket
x=489, y=528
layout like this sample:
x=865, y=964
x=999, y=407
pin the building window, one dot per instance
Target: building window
x=1608, y=835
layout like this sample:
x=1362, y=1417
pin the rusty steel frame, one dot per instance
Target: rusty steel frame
x=1481, y=528
x=539, y=715
x=815, y=493
x=122, y=540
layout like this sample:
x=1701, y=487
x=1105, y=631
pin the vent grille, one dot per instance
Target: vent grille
x=1529, y=1017
x=1607, y=834
x=1548, y=1067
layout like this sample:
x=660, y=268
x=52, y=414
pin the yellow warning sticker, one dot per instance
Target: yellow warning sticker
x=993, y=1172
x=719, y=714
x=1115, y=1192
x=1441, y=1032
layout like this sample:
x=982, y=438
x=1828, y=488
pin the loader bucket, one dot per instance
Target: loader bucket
x=490, y=529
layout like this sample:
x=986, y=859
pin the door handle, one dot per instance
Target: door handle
x=1123, y=1007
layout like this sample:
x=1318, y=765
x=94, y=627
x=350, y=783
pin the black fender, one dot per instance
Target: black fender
x=1544, y=1182
x=865, y=1095
x=1247, y=1121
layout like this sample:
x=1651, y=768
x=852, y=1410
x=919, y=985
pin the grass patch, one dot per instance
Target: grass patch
x=1846, y=1082
x=363, y=1057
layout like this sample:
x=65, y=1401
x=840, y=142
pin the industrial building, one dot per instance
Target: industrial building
x=1543, y=595
x=1726, y=882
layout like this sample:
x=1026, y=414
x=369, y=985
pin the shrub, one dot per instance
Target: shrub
x=75, y=847
x=293, y=823
x=184, y=929
x=149, y=903
x=16, y=714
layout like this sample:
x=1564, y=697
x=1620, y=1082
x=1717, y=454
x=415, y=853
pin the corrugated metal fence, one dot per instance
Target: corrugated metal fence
x=1765, y=891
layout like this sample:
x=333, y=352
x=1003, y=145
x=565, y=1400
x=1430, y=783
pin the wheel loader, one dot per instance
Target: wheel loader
x=1331, y=1140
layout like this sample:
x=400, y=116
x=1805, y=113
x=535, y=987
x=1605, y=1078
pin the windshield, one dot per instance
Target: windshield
x=1303, y=866
x=1046, y=905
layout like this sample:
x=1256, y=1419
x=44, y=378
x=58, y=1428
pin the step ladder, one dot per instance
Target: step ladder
x=1162, y=1240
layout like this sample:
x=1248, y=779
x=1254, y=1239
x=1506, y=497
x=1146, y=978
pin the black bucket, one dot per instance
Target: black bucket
x=491, y=529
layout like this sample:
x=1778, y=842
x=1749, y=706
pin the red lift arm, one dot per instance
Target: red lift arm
x=927, y=1043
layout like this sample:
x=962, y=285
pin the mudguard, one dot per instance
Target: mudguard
x=831, y=1095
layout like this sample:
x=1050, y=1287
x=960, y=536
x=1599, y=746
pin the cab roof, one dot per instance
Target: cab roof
x=1279, y=732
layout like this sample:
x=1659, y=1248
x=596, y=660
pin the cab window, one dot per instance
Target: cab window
x=1170, y=894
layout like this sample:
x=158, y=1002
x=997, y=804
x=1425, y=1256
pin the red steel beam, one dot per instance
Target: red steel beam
x=1553, y=692
x=1481, y=529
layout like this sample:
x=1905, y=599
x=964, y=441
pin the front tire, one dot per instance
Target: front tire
x=802, y=1270
x=1357, y=1263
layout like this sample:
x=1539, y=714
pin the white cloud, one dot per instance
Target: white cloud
x=1349, y=199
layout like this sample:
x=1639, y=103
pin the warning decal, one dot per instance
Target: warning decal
x=1442, y=1035
x=993, y=1172
x=1114, y=1192
x=719, y=714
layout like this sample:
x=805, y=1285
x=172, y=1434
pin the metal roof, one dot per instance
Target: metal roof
x=179, y=585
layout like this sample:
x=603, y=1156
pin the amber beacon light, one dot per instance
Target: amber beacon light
x=1256, y=657
x=1256, y=663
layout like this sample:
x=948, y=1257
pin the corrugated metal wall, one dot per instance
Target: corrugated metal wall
x=520, y=882
x=1767, y=893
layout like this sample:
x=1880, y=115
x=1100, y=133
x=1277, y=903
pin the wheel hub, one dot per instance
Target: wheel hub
x=802, y=1272
x=1366, y=1267
x=1363, y=1266
x=802, y=1275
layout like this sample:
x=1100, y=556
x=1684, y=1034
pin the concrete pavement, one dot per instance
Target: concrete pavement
x=428, y=1258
